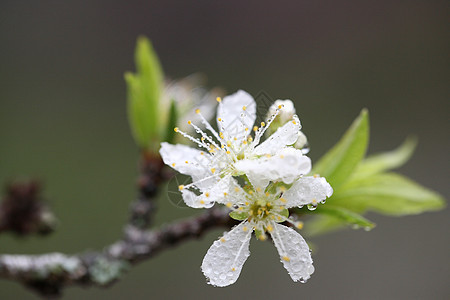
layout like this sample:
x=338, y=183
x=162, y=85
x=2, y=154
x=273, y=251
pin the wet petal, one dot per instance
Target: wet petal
x=284, y=136
x=287, y=165
x=293, y=251
x=225, y=191
x=307, y=190
x=224, y=260
x=186, y=160
x=236, y=113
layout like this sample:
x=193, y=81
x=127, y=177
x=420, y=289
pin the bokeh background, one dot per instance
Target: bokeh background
x=63, y=120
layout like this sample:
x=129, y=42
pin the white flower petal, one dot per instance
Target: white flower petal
x=224, y=260
x=284, y=136
x=287, y=165
x=307, y=190
x=186, y=160
x=195, y=201
x=225, y=191
x=293, y=251
x=236, y=113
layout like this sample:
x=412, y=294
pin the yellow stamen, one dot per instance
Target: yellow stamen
x=285, y=258
x=263, y=124
x=299, y=225
x=173, y=165
x=244, y=107
x=207, y=194
x=283, y=200
x=189, y=122
x=213, y=170
x=197, y=111
x=222, y=240
x=176, y=129
x=229, y=204
x=219, y=99
x=180, y=187
x=255, y=128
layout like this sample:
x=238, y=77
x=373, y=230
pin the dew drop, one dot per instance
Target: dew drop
x=312, y=206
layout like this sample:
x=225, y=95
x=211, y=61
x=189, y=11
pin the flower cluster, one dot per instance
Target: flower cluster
x=259, y=181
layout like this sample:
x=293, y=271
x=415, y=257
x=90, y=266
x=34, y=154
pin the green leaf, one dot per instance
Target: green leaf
x=238, y=215
x=339, y=163
x=172, y=122
x=347, y=216
x=144, y=91
x=387, y=160
x=387, y=193
x=322, y=224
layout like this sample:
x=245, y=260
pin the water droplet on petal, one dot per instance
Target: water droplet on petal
x=312, y=206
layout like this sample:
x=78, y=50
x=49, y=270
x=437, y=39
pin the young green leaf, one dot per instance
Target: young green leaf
x=144, y=91
x=322, y=224
x=387, y=160
x=387, y=193
x=172, y=123
x=339, y=163
x=347, y=216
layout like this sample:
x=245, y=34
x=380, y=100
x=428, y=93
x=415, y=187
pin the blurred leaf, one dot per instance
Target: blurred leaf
x=322, y=224
x=144, y=91
x=387, y=193
x=172, y=122
x=346, y=216
x=387, y=160
x=339, y=163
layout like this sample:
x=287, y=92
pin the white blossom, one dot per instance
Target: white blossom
x=261, y=210
x=233, y=151
x=285, y=116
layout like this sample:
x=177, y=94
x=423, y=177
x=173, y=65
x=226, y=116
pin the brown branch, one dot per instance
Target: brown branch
x=49, y=273
x=24, y=212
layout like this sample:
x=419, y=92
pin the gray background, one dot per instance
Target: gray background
x=62, y=119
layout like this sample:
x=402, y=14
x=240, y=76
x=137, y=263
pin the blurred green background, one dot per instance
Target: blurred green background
x=63, y=120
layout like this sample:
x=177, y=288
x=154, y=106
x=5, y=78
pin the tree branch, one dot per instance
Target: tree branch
x=49, y=273
x=24, y=212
